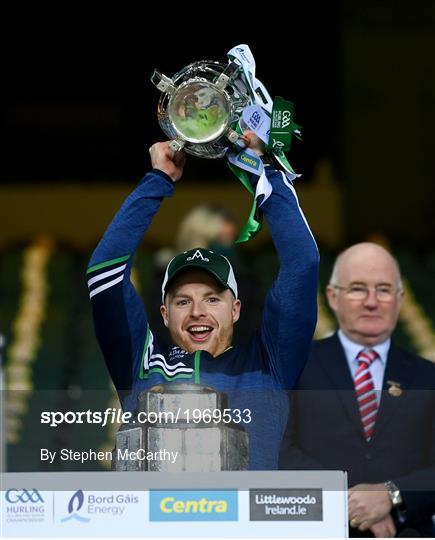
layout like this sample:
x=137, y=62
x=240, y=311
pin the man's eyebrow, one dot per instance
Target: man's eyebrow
x=210, y=292
x=380, y=284
x=178, y=295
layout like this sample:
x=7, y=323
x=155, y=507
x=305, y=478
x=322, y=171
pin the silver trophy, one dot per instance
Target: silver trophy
x=190, y=432
x=200, y=104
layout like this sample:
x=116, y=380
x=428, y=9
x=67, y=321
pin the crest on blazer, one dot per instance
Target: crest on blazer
x=394, y=388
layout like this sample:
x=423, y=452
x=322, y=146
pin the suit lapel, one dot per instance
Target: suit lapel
x=398, y=370
x=334, y=363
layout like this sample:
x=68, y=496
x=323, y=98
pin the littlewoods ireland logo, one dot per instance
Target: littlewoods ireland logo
x=285, y=505
x=76, y=501
x=23, y=496
x=193, y=505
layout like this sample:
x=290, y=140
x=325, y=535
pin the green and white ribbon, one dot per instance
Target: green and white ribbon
x=272, y=122
x=259, y=94
x=247, y=160
x=241, y=164
x=282, y=126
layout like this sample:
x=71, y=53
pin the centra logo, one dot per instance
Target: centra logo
x=249, y=161
x=23, y=496
x=206, y=506
x=193, y=506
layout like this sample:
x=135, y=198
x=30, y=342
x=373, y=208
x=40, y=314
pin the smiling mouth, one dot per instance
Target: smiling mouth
x=200, y=333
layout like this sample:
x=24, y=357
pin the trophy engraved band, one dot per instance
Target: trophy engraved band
x=189, y=428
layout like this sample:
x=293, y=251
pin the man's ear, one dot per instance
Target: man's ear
x=164, y=313
x=237, y=305
x=331, y=295
x=401, y=295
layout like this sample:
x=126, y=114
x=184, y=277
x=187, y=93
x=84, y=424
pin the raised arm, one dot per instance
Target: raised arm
x=290, y=311
x=119, y=314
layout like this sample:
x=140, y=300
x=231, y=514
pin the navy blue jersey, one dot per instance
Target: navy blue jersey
x=257, y=375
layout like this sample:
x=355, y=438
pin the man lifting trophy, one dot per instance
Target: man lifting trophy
x=220, y=393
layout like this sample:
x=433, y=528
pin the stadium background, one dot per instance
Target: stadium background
x=79, y=114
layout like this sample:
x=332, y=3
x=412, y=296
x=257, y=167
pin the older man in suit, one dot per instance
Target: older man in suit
x=365, y=406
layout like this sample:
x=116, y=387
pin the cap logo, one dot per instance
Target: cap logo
x=198, y=255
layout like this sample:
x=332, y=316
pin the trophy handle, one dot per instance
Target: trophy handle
x=163, y=83
x=232, y=135
x=177, y=144
x=228, y=75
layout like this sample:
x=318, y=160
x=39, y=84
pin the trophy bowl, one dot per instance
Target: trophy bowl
x=199, y=111
x=199, y=105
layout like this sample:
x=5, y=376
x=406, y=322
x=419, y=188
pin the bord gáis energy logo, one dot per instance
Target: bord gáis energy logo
x=180, y=505
x=74, y=506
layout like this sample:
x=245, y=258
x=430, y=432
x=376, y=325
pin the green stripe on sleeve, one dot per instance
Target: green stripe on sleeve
x=107, y=263
x=142, y=373
x=197, y=361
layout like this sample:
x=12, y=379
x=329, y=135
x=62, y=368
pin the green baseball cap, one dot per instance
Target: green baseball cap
x=214, y=263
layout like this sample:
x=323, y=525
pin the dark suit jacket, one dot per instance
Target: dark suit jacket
x=325, y=430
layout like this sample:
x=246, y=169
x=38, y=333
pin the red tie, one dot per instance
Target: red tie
x=365, y=391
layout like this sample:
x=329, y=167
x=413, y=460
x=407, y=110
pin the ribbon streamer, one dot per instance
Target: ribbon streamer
x=257, y=118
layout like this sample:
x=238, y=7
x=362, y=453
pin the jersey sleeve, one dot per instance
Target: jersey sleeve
x=119, y=315
x=290, y=311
